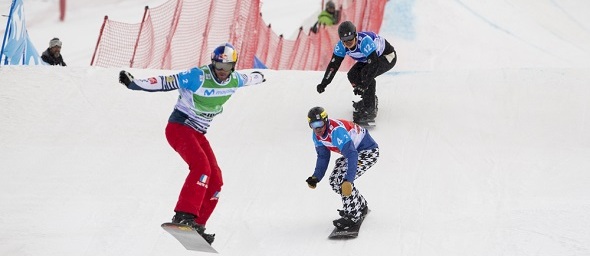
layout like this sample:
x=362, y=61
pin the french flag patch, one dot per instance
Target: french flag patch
x=215, y=196
x=203, y=180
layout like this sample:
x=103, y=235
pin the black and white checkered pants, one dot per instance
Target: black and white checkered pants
x=355, y=202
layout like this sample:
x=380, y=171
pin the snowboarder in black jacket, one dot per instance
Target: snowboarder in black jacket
x=373, y=55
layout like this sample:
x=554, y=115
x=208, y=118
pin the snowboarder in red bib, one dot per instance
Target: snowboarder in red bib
x=359, y=153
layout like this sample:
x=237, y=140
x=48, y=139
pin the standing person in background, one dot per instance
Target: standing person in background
x=359, y=153
x=373, y=54
x=203, y=91
x=52, y=55
x=328, y=17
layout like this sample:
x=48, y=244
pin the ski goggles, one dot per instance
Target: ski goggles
x=225, y=66
x=316, y=124
x=349, y=38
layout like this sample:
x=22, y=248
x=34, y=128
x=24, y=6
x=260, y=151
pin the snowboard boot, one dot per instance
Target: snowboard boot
x=376, y=105
x=359, y=111
x=371, y=111
x=357, y=117
x=357, y=105
x=344, y=223
x=364, y=212
x=364, y=113
x=347, y=221
x=189, y=220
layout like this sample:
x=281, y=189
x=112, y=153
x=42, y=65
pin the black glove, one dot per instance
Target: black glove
x=125, y=78
x=262, y=75
x=359, y=89
x=312, y=182
x=363, y=86
x=321, y=87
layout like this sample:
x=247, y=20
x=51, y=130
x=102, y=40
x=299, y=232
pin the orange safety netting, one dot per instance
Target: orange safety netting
x=181, y=34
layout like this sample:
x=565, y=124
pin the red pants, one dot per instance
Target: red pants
x=200, y=192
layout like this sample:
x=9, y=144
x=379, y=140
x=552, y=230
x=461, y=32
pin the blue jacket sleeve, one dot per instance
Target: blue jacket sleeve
x=322, y=162
x=352, y=156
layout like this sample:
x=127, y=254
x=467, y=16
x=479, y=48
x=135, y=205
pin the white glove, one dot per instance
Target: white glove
x=255, y=73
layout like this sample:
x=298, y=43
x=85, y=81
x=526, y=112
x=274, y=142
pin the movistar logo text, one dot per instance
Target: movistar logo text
x=219, y=92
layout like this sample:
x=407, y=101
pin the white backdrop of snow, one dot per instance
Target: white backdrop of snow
x=483, y=128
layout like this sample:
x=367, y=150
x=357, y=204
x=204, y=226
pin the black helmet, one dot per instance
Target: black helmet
x=317, y=117
x=346, y=31
x=330, y=4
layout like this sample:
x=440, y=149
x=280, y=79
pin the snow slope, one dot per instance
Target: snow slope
x=483, y=130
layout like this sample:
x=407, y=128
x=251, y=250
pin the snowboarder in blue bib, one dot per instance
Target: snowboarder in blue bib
x=373, y=55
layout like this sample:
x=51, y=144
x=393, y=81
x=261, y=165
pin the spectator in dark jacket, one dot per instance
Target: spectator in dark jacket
x=52, y=55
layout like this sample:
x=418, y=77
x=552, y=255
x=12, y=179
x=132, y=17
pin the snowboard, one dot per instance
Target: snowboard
x=367, y=123
x=364, y=123
x=190, y=239
x=353, y=232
